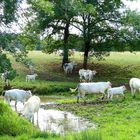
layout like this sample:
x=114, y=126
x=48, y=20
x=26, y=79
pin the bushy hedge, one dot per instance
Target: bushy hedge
x=43, y=87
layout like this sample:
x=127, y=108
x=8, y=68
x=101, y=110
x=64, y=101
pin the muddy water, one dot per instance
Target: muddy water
x=57, y=121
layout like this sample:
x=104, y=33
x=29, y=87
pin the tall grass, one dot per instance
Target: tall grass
x=11, y=124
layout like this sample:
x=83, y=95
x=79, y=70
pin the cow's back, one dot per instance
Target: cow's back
x=32, y=105
x=16, y=94
x=94, y=87
x=88, y=87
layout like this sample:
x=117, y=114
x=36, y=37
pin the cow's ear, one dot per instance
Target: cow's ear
x=109, y=83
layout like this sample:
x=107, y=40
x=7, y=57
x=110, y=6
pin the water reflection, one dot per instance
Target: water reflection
x=61, y=121
x=57, y=121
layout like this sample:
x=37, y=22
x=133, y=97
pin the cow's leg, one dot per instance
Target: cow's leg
x=37, y=119
x=108, y=96
x=103, y=95
x=111, y=96
x=133, y=91
x=33, y=118
x=123, y=96
x=15, y=105
x=78, y=97
x=83, y=97
x=133, y=94
x=7, y=100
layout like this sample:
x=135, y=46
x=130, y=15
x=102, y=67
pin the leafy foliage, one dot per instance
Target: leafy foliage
x=9, y=7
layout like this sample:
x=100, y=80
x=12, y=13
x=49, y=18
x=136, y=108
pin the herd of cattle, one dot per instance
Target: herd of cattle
x=86, y=86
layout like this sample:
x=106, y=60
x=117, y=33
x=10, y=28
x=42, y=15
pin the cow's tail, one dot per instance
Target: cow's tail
x=74, y=90
x=3, y=93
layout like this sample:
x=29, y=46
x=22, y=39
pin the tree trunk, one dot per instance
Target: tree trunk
x=65, y=48
x=87, y=46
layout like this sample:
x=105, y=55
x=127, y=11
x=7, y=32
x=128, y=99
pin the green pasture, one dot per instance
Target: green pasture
x=116, y=120
x=116, y=67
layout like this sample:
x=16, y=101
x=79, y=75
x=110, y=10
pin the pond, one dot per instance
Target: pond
x=57, y=121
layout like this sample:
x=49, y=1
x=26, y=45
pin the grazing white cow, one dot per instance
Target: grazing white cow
x=30, y=107
x=134, y=84
x=90, y=75
x=31, y=77
x=86, y=75
x=115, y=91
x=17, y=95
x=89, y=88
x=5, y=78
x=68, y=67
x=59, y=52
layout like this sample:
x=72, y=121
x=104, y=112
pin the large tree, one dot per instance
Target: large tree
x=105, y=27
x=53, y=20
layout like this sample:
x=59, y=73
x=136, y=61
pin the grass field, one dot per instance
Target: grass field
x=116, y=120
x=116, y=67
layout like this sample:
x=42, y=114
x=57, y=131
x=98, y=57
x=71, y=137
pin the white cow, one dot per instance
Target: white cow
x=68, y=67
x=3, y=77
x=86, y=75
x=31, y=106
x=116, y=91
x=134, y=84
x=31, y=77
x=17, y=95
x=59, y=52
x=89, y=88
x=90, y=75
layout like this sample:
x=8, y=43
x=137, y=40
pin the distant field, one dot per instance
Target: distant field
x=116, y=67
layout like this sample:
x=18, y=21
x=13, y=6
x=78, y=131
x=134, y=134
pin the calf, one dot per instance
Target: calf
x=68, y=67
x=116, y=91
x=31, y=106
x=86, y=75
x=31, y=77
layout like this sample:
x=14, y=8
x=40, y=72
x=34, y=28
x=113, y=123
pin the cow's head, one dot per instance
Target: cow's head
x=29, y=93
x=94, y=72
x=124, y=88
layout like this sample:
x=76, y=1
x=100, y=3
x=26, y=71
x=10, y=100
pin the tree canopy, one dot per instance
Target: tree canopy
x=102, y=25
x=9, y=41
